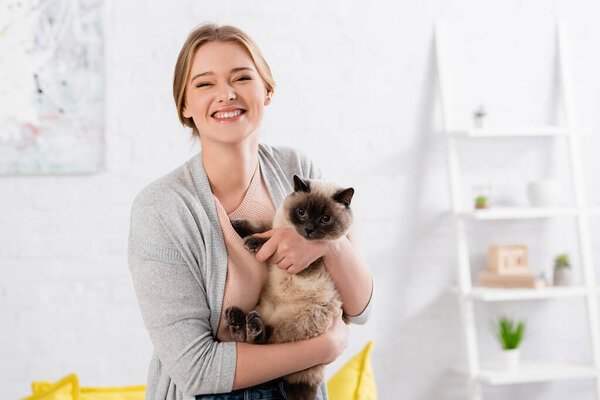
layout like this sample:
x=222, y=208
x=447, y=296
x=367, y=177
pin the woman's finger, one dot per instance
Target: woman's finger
x=284, y=264
x=264, y=234
x=295, y=268
x=267, y=250
x=292, y=269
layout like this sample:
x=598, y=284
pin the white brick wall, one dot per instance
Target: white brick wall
x=357, y=92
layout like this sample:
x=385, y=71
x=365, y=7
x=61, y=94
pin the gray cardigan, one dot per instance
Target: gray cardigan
x=178, y=263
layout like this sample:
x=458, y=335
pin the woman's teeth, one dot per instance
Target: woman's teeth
x=228, y=115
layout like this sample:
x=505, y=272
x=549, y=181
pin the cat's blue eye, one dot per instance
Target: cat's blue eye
x=301, y=212
x=325, y=219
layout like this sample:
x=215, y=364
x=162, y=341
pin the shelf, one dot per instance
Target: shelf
x=528, y=371
x=540, y=371
x=524, y=132
x=496, y=294
x=499, y=213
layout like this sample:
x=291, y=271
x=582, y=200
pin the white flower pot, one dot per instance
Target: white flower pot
x=544, y=193
x=562, y=277
x=510, y=358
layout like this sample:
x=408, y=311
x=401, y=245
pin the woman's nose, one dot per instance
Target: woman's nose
x=226, y=93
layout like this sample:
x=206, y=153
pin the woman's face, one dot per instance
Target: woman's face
x=225, y=95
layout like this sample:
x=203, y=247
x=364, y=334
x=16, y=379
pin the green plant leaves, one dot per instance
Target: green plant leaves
x=509, y=332
x=562, y=261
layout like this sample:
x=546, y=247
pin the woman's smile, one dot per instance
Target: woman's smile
x=228, y=114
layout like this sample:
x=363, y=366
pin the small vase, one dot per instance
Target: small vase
x=510, y=358
x=562, y=277
x=544, y=193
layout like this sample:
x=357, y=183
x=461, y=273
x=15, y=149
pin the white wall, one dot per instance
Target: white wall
x=357, y=91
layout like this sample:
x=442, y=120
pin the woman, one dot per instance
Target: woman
x=187, y=263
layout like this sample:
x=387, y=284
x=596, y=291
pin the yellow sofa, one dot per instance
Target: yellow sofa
x=354, y=381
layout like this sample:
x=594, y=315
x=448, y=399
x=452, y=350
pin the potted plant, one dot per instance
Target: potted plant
x=510, y=334
x=562, y=270
x=481, y=202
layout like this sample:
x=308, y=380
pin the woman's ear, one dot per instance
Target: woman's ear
x=268, y=99
x=186, y=112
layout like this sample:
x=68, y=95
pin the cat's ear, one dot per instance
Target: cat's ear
x=344, y=196
x=301, y=185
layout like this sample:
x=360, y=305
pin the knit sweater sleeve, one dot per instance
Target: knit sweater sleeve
x=169, y=279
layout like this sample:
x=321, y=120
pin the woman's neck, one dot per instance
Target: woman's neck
x=229, y=168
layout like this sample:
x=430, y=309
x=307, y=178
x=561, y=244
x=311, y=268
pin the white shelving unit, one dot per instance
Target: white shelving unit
x=528, y=371
x=541, y=371
x=492, y=294
x=499, y=133
x=531, y=372
x=518, y=213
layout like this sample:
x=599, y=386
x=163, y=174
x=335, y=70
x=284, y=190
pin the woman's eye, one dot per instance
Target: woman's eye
x=301, y=212
x=325, y=218
x=243, y=78
x=202, y=84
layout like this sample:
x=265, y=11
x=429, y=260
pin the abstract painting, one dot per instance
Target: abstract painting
x=51, y=86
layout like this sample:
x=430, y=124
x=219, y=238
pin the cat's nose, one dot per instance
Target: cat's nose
x=309, y=228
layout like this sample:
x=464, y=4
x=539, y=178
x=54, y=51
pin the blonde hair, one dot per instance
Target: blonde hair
x=211, y=33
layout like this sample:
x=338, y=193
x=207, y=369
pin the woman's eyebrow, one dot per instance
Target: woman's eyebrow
x=232, y=71
x=241, y=69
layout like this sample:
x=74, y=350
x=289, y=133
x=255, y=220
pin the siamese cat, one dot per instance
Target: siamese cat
x=296, y=306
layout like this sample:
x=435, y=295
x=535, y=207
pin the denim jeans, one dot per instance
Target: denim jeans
x=272, y=390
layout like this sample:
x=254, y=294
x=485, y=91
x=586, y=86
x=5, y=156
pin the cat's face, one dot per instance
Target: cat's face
x=319, y=210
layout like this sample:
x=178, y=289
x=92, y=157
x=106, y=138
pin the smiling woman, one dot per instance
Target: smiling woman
x=217, y=96
x=200, y=66
x=187, y=262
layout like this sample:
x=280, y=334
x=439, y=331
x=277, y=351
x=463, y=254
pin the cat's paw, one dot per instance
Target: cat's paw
x=236, y=320
x=254, y=324
x=235, y=317
x=242, y=227
x=253, y=244
x=256, y=330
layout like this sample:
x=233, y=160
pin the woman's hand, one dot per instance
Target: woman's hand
x=335, y=339
x=289, y=250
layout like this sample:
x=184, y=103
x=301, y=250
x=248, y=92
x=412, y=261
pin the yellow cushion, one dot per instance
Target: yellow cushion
x=114, y=393
x=354, y=381
x=65, y=389
x=90, y=393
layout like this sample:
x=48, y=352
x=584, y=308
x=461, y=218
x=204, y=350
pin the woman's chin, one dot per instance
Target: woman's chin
x=231, y=137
